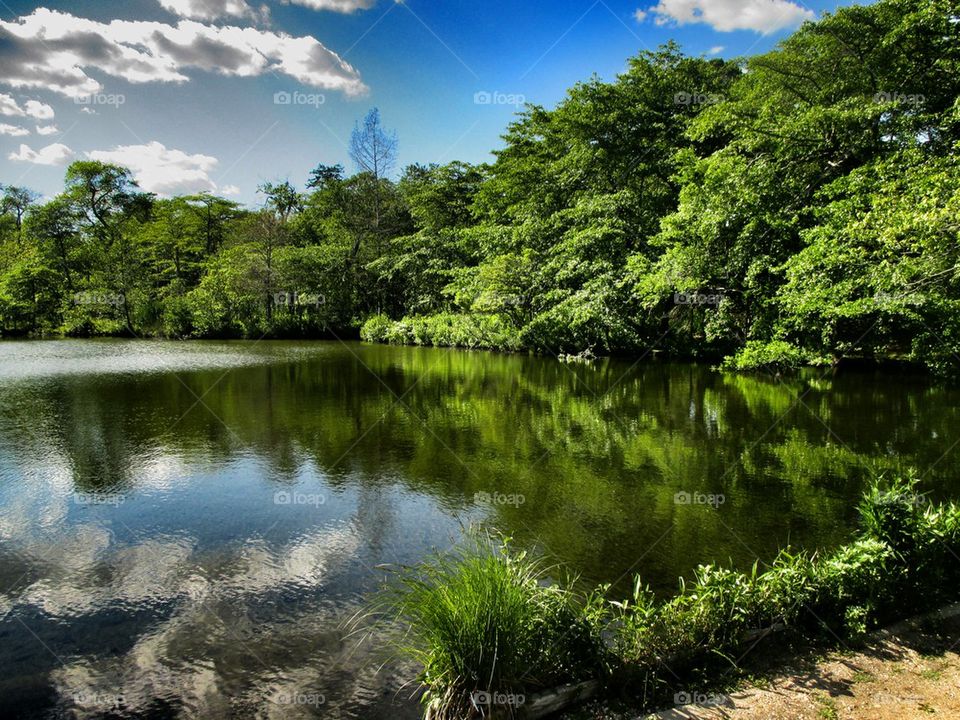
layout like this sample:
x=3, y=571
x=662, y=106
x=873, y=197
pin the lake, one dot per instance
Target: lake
x=186, y=529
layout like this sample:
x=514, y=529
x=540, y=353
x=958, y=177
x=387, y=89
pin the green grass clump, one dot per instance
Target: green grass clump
x=485, y=620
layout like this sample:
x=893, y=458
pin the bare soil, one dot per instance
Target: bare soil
x=907, y=673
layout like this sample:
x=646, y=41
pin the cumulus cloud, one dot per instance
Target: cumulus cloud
x=32, y=108
x=763, y=16
x=47, y=129
x=53, y=50
x=342, y=6
x=161, y=170
x=13, y=130
x=228, y=190
x=213, y=9
x=9, y=106
x=55, y=154
x=640, y=15
x=38, y=110
x=716, y=50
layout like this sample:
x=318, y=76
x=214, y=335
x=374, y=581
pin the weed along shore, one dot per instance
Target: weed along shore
x=498, y=633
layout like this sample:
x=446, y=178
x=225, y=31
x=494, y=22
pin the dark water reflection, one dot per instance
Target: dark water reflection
x=185, y=528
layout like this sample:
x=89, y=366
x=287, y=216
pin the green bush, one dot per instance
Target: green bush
x=856, y=580
x=176, y=316
x=773, y=355
x=491, y=332
x=375, y=329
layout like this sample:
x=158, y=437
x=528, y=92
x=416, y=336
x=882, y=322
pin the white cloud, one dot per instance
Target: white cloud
x=213, y=9
x=227, y=190
x=32, y=108
x=161, y=170
x=38, y=110
x=88, y=111
x=716, y=50
x=52, y=50
x=13, y=130
x=47, y=129
x=763, y=16
x=342, y=6
x=640, y=15
x=9, y=106
x=56, y=154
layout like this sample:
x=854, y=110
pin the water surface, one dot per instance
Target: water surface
x=186, y=528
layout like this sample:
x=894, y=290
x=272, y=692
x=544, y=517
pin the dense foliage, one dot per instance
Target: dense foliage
x=796, y=207
x=484, y=623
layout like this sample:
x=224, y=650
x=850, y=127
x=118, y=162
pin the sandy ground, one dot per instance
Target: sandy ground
x=905, y=673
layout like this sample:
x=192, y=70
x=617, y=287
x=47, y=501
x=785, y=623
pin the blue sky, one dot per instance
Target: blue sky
x=190, y=93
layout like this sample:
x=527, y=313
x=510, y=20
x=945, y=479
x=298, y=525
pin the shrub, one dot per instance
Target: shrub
x=492, y=332
x=853, y=582
x=375, y=329
x=773, y=355
x=177, y=316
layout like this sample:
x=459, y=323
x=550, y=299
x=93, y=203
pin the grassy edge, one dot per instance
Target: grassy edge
x=491, y=626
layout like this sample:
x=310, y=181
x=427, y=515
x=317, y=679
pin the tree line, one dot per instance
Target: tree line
x=799, y=206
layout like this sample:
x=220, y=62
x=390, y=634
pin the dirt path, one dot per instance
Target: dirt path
x=905, y=673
